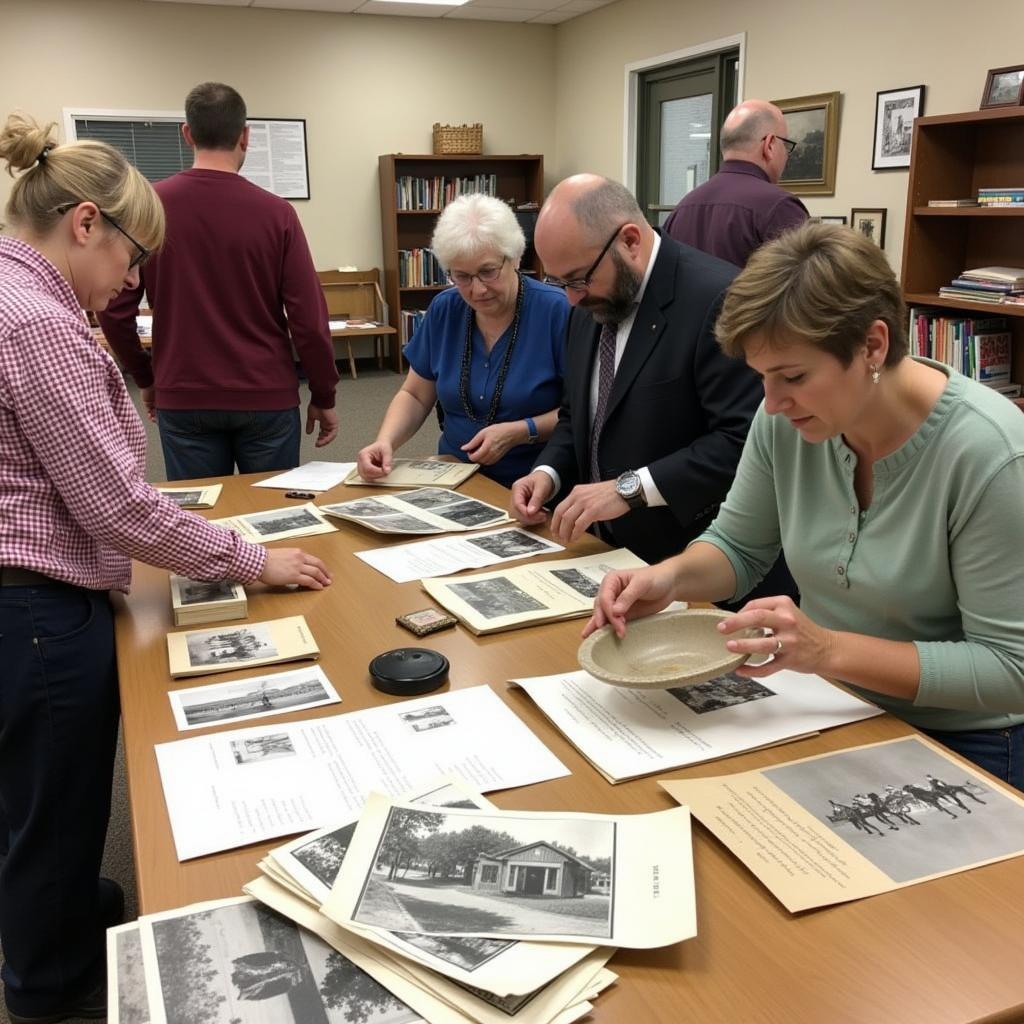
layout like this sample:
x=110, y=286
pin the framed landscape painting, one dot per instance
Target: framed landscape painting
x=895, y=110
x=1004, y=87
x=812, y=122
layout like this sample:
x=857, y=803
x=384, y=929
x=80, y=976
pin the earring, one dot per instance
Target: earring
x=876, y=374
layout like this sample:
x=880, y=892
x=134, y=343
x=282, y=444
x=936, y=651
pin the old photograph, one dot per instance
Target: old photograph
x=471, y=513
x=281, y=521
x=905, y=807
x=127, y=975
x=510, y=543
x=434, y=717
x=721, y=692
x=579, y=581
x=361, y=507
x=256, y=749
x=450, y=874
x=254, y=697
x=242, y=963
x=322, y=857
x=430, y=498
x=242, y=643
x=496, y=597
x=185, y=499
x=201, y=591
x=895, y=110
x=807, y=129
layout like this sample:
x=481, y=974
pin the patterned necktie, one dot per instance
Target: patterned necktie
x=605, y=378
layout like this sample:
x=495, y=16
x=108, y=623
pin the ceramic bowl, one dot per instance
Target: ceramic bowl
x=675, y=648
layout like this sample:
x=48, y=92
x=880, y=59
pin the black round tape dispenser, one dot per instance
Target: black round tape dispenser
x=409, y=671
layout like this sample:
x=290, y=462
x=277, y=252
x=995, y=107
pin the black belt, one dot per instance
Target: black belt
x=15, y=576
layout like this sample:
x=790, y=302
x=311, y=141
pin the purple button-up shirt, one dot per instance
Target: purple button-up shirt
x=73, y=501
x=734, y=212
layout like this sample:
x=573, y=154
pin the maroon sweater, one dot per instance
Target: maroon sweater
x=232, y=289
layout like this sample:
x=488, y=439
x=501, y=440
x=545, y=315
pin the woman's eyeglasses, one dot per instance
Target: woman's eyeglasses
x=141, y=252
x=485, y=275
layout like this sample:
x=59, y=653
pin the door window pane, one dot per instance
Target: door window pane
x=685, y=148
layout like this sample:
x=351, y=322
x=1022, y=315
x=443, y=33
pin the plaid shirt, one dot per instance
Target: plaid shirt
x=73, y=501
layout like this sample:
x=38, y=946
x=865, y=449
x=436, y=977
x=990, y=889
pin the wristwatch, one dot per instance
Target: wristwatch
x=630, y=488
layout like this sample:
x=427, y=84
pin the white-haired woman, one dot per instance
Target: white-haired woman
x=490, y=351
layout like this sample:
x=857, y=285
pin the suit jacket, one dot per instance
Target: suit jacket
x=678, y=405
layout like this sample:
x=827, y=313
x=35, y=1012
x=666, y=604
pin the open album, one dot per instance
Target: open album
x=418, y=473
x=278, y=523
x=195, y=601
x=193, y=497
x=529, y=594
x=426, y=510
x=198, y=651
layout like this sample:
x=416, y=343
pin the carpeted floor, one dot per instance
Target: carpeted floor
x=360, y=404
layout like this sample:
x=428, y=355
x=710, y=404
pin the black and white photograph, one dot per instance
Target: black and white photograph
x=510, y=543
x=471, y=513
x=241, y=963
x=812, y=122
x=185, y=499
x=430, y=498
x=401, y=524
x=241, y=643
x=724, y=691
x=255, y=697
x=1004, y=87
x=361, y=507
x=257, y=749
x=322, y=857
x=127, y=974
x=870, y=223
x=445, y=874
x=895, y=110
x=281, y=521
x=426, y=719
x=496, y=597
x=203, y=591
x=905, y=807
x=579, y=581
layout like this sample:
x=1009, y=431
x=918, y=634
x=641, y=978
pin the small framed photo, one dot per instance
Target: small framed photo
x=1004, y=87
x=870, y=223
x=830, y=218
x=895, y=110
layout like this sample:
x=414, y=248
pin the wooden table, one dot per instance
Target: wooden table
x=945, y=951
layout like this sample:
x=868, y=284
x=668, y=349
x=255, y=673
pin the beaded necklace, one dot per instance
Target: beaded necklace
x=467, y=358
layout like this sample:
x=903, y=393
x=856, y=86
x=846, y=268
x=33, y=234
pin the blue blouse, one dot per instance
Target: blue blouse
x=533, y=384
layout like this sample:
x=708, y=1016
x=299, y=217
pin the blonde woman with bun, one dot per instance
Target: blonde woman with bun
x=75, y=510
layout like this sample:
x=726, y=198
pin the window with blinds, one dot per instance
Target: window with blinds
x=156, y=148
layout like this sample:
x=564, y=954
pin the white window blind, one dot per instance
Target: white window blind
x=156, y=148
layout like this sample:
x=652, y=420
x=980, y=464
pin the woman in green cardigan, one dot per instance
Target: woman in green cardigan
x=893, y=483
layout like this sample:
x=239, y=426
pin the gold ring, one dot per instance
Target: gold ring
x=778, y=645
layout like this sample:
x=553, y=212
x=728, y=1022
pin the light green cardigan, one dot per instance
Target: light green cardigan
x=937, y=559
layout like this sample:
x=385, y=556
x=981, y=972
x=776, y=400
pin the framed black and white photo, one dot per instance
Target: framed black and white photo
x=895, y=110
x=812, y=122
x=1004, y=87
x=830, y=218
x=870, y=223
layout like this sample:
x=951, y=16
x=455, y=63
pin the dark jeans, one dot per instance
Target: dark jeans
x=998, y=751
x=58, y=731
x=210, y=442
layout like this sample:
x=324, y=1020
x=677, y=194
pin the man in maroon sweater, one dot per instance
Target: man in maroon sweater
x=232, y=290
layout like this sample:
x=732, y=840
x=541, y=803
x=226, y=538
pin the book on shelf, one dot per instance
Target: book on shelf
x=1002, y=275
x=1009, y=390
x=199, y=651
x=982, y=285
x=978, y=348
x=197, y=601
x=419, y=268
x=433, y=194
x=409, y=321
x=953, y=202
x=993, y=298
x=1000, y=196
x=528, y=595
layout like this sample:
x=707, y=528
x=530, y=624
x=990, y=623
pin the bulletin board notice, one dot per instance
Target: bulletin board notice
x=276, y=158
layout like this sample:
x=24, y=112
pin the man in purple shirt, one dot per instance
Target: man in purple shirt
x=741, y=206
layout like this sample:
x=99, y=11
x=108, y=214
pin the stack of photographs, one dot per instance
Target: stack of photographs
x=196, y=601
x=278, y=524
x=425, y=510
x=193, y=497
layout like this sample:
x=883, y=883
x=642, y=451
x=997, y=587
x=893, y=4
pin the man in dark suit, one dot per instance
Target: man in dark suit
x=654, y=415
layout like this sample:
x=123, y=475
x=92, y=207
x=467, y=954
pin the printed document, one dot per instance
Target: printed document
x=313, y=476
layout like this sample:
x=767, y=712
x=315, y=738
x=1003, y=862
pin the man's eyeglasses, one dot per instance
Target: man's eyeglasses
x=582, y=284
x=788, y=143
x=485, y=275
x=141, y=252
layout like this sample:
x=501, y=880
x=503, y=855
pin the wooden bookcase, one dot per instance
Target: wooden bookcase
x=954, y=155
x=520, y=178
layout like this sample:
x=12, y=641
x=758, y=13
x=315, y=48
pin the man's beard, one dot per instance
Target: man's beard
x=616, y=307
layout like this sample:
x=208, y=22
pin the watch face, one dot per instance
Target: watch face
x=628, y=484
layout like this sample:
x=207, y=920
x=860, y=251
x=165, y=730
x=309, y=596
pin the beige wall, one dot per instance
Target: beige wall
x=365, y=84
x=793, y=49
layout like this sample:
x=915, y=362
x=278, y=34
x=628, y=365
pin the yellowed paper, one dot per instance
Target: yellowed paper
x=202, y=496
x=278, y=524
x=418, y=473
x=196, y=601
x=425, y=510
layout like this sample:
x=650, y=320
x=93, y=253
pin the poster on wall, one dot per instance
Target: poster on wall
x=276, y=158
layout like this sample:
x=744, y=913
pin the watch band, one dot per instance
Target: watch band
x=531, y=430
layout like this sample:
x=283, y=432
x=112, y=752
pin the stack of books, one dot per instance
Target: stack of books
x=418, y=268
x=953, y=202
x=1001, y=197
x=437, y=192
x=197, y=601
x=979, y=349
x=410, y=321
x=987, y=284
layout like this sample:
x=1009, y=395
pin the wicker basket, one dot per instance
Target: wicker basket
x=458, y=138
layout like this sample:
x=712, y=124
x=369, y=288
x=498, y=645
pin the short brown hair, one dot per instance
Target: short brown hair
x=52, y=178
x=215, y=114
x=819, y=283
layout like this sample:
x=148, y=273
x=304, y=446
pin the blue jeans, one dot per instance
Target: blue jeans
x=998, y=751
x=58, y=731
x=210, y=442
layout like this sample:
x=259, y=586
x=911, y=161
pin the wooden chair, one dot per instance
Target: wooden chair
x=355, y=294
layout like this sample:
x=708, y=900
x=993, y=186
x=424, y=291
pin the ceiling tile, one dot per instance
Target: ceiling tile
x=552, y=17
x=523, y=5
x=406, y=10
x=488, y=14
x=339, y=6
x=213, y=3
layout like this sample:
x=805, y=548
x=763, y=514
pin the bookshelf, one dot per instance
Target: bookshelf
x=954, y=155
x=518, y=178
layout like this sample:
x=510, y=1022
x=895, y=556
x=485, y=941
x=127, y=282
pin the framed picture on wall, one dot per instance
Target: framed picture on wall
x=895, y=110
x=870, y=223
x=812, y=122
x=830, y=218
x=1004, y=87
